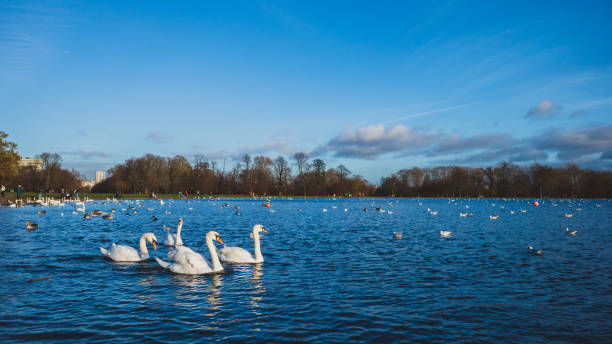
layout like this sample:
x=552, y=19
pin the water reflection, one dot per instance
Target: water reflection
x=214, y=293
x=258, y=288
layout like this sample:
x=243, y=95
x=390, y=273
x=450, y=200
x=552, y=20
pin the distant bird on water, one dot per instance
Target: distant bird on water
x=41, y=212
x=153, y=218
x=398, y=235
x=534, y=251
x=30, y=225
x=570, y=232
x=445, y=234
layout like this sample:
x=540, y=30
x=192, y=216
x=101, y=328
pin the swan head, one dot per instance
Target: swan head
x=259, y=228
x=212, y=235
x=150, y=237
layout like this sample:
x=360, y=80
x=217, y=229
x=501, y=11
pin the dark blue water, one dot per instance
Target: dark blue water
x=334, y=276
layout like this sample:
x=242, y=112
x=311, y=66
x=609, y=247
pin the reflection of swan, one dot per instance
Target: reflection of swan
x=175, y=239
x=122, y=253
x=240, y=255
x=187, y=261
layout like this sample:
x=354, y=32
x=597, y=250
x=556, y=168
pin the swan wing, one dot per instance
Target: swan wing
x=122, y=253
x=187, y=261
x=235, y=255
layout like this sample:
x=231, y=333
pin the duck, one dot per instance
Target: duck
x=153, y=218
x=175, y=239
x=493, y=217
x=570, y=232
x=445, y=234
x=86, y=216
x=397, y=235
x=187, y=261
x=122, y=253
x=238, y=255
x=534, y=251
x=41, y=212
x=108, y=217
x=30, y=225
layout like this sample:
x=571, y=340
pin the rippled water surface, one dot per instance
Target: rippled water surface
x=328, y=276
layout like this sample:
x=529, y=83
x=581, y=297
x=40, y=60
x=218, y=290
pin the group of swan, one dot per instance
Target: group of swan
x=184, y=260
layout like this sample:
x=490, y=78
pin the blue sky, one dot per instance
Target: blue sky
x=376, y=86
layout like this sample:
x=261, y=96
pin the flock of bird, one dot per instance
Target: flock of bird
x=184, y=260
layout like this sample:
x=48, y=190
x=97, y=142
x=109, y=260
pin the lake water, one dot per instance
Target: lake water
x=328, y=276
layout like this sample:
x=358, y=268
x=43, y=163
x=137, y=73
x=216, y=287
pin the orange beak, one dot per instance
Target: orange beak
x=263, y=229
x=218, y=238
x=154, y=243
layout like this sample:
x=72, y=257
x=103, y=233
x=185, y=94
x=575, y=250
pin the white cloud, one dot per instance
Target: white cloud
x=545, y=109
x=372, y=141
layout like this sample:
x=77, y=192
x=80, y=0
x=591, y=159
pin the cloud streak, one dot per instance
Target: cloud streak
x=159, y=137
x=86, y=155
x=425, y=113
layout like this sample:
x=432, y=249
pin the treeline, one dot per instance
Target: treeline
x=263, y=176
x=504, y=180
x=50, y=178
x=251, y=176
x=300, y=176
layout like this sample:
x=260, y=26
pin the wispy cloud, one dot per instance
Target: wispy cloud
x=30, y=35
x=425, y=113
x=86, y=155
x=159, y=137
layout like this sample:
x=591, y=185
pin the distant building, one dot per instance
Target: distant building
x=36, y=163
x=87, y=183
x=99, y=176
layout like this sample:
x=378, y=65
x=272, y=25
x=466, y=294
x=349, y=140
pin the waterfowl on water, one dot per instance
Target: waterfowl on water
x=122, y=253
x=397, y=235
x=534, y=251
x=41, y=212
x=153, y=218
x=187, y=261
x=175, y=239
x=86, y=216
x=240, y=255
x=108, y=217
x=30, y=225
x=570, y=232
x=445, y=234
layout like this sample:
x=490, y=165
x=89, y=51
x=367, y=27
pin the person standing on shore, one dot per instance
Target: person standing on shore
x=19, y=191
x=3, y=188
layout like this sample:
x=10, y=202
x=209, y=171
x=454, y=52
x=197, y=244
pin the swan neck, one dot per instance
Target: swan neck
x=178, y=230
x=257, y=250
x=144, y=252
x=216, y=264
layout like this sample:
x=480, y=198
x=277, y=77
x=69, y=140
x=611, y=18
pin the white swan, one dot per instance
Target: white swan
x=122, y=253
x=445, y=234
x=187, y=261
x=240, y=255
x=175, y=239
